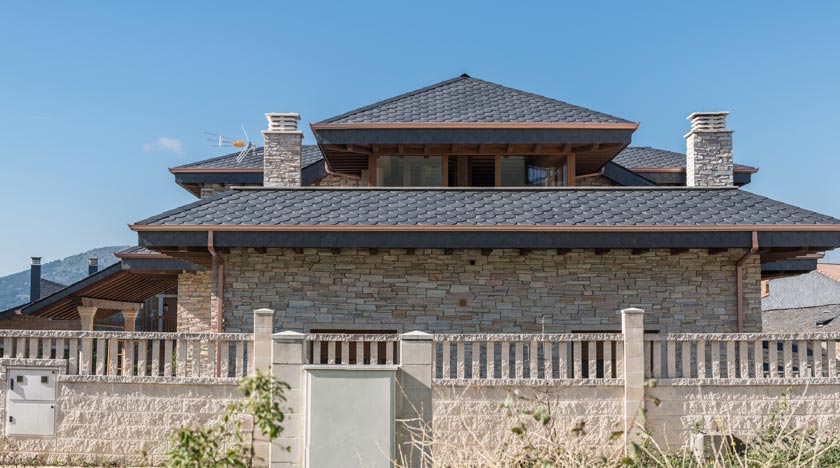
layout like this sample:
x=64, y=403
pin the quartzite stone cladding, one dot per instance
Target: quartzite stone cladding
x=282, y=163
x=473, y=290
x=709, y=160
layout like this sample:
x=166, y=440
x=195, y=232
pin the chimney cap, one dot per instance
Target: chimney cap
x=93, y=261
x=36, y=260
x=282, y=121
x=708, y=121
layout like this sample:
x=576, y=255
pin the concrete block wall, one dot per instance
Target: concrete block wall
x=101, y=421
x=740, y=409
x=503, y=290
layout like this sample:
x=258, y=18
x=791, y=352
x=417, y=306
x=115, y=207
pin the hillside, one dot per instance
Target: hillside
x=14, y=288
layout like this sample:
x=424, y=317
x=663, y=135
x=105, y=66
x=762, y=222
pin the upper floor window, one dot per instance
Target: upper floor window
x=409, y=171
x=469, y=171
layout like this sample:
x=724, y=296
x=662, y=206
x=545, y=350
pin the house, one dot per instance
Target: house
x=460, y=240
x=803, y=303
x=467, y=206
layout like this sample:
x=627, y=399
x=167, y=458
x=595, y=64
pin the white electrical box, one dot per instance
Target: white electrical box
x=30, y=401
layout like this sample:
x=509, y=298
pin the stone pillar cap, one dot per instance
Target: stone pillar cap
x=633, y=311
x=288, y=335
x=417, y=336
x=264, y=312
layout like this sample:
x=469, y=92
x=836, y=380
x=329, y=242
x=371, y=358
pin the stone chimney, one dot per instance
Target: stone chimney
x=93, y=265
x=709, y=161
x=281, y=167
x=35, y=279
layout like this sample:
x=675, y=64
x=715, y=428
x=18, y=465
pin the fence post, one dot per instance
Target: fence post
x=263, y=328
x=288, y=358
x=414, y=397
x=633, y=328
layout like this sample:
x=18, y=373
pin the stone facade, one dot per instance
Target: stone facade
x=282, y=165
x=334, y=180
x=486, y=291
x=595, y=181
x=194, y=302
x=208, y=190
x=112, y=424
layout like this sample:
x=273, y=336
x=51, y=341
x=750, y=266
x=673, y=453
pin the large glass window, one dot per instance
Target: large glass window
x=409, y=171
x=533, y=171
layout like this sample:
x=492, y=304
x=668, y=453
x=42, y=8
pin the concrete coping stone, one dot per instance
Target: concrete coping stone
x=518, y=337
x=782, y=381
x=350, y=337
x=528, y=382
x=350, y=367
x=818, y=336
x=125, y=335
x=60, y=364
x=148, y=379
x=633, y=311
x=263, y=312
x=416, y=336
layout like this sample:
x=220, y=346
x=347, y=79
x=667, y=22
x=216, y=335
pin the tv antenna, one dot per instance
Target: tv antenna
x=246, y=146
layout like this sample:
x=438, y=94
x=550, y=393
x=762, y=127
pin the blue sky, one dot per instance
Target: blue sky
x=98, y=99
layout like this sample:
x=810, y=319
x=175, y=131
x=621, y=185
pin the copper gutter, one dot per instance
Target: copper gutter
x=220, y=294
x=474, y=228
x=739, y=278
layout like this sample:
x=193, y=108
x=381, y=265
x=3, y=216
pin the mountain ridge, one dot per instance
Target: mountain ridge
x=14, y=288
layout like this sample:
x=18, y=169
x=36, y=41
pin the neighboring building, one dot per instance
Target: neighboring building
x=805, y=303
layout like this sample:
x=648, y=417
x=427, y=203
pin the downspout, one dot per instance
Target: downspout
x=220, y=294
x=739, y=278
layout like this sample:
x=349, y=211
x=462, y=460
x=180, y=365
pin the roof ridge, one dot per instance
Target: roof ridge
x=397, y=98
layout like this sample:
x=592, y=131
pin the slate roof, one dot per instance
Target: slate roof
x=648, y=157
x=817, y=288
x=467, y=99
x=807, y=319
x=488, y=207
x=49, y=287
x=310, y=154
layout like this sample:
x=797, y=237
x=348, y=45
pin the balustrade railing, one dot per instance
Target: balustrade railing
x=494, y=358
x=140, y=354
x=741, y=356
x=354, y=350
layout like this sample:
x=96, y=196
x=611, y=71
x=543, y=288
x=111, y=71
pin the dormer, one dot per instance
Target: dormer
x=467, y=132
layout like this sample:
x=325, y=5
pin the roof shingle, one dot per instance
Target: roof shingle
x=635, y=157
x=466, y=99
x=309, y=155
x=488, y=207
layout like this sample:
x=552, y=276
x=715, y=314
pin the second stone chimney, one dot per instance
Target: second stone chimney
x=281, y=154
x=35, y=279
x=709, y=161
x=93, y=265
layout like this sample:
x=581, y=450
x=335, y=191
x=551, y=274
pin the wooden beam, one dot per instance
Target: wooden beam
x=106, y=304
x=445, y=170
x=482, y=147
x=497, y=166
x=427, y=149
x=509, y=149
x=400, y=149
x=372, y=170
x=537, y=148
x=570, y=169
